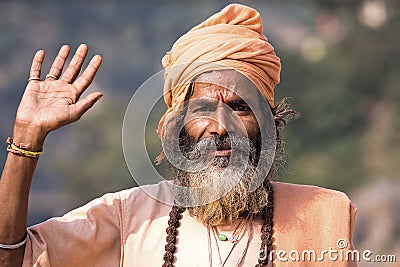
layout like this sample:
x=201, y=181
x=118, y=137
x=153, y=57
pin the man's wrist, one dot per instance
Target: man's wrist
x=31, y=137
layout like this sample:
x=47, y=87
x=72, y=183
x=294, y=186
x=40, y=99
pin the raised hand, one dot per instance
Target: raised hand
x=54, y=102
x=45, y=106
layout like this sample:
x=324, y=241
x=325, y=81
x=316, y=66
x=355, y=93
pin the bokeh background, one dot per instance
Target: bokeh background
x=341, y=71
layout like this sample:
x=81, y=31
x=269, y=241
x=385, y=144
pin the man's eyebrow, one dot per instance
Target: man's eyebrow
x=203, y=101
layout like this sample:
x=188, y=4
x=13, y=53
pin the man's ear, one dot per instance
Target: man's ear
x=172, y=126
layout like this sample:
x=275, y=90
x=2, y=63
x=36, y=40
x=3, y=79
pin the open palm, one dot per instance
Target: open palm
x=54, y=102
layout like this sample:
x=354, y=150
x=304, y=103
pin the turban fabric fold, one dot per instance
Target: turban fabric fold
x=230, y=39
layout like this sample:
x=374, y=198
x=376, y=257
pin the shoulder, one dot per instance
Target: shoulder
x=296, y=191
x=309, y=200
x=127, y=201
x=147, y=201
x=151, y=194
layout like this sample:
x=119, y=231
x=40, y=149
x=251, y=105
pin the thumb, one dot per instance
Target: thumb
x=86, y=103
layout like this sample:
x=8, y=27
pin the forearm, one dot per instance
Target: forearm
x=14, y=193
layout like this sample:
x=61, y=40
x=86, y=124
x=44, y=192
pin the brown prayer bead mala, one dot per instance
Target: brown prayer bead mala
x=175, y=215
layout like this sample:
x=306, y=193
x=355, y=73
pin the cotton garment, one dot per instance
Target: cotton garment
x=127, y=228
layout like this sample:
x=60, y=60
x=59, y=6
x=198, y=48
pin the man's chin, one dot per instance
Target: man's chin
x=221, y=161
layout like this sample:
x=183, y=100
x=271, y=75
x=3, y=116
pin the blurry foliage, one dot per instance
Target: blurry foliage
x=348, y=132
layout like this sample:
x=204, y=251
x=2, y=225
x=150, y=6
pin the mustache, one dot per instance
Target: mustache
x=242, y=144
x=222, y=142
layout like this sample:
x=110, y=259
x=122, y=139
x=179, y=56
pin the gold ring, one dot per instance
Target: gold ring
x=34, y=79
x=48, y=75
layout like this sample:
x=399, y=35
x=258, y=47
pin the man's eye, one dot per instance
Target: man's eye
x=241, y=108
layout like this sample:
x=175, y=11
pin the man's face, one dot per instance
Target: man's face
x=223, y=103
x=219, y=112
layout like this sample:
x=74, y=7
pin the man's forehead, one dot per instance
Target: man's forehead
x=228, y=83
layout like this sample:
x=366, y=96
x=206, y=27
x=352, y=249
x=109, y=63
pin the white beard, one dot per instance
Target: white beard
x=236, y=201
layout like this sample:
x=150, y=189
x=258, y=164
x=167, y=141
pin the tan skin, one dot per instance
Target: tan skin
x=45, y=106
x=222, y=102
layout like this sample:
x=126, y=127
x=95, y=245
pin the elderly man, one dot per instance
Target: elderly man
x=219, y=82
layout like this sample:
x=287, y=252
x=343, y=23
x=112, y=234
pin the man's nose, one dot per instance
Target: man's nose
x=221, y=122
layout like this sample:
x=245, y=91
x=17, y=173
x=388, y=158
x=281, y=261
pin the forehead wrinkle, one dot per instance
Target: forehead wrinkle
x=214, y=91
x=226, y=86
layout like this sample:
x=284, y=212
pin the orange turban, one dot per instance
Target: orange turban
x=232, y=38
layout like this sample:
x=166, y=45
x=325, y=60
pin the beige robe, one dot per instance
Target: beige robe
x=127, y=228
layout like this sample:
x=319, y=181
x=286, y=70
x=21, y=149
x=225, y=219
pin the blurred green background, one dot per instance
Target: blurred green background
x=340, y=69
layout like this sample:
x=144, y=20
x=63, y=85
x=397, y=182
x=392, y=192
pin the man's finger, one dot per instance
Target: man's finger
x=75, y=65
x=59, y=61
x=86, y=103
x=83, y=81
x=36, y=66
